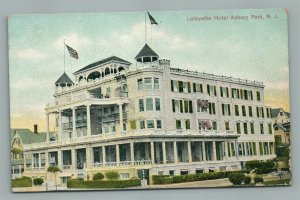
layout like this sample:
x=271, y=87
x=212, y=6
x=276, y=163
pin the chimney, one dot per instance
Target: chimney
x=35, y=128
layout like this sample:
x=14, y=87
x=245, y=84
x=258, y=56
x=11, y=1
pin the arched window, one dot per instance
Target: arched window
x=107, y=71
x=115, y=70
x=80, y=78
x=94, y=75
x=121, y=69
x=111, y=71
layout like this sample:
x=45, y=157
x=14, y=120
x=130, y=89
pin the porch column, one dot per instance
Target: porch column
x=236, y=149
x=74, y=123
x=88, y=156
x=132, y=153
x=118, y=154
x=59, y=159
x=32, y=162
x=40, y=162
x=73, y=155
x=203, y=151
x=164, y=152
x=152, y=152
x=214, y=152
x=226, y=150
x=175, y=152
x=88, y=117
x=60, y=125
x=103, y=156
x=121, y=118
x=47, y=128
x=46, y=160
x=189, y=151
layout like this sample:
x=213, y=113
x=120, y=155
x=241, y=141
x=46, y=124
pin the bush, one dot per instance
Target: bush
x=252, y=164
x=22, y=182
x=236, y=178
x=53, y=169
x=247, y=180
x=38, y=181
x=258, y=179
x=112, y=175
x=73, y=183
x=160, y=179
x=98, y=176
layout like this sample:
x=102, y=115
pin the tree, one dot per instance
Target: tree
x=54, y=169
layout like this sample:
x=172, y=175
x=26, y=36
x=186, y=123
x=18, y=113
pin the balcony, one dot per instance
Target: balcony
x=111, y=117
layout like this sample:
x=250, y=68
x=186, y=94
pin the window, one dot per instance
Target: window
x=197, y=87
x=212, y=108
x=235, y=93
x=268, y=112
x=113, y=128
x=178, y=124
x=106, y=129
x=226, y=109
x=187, y=124
x=174, y=86
x=157, y=104
x=150, y=123
x=186, y=106
x=140, y=84
x=260, y=112
x=245, y=128
x=250, y=111
x=262, y=128
x=258, y=95
x=142, y=124
x=156, y=83
x=238, y=128
x=236, y=109
x=172, y=172
x=214, y=125
x=227, y=127
x=158, y=123
x=224, y=92
x=270, y=128
x=252, y=127
x=141, y=105
x=211, y=90
x=190, y=106
x=148, y=83
x=108, y=89
x=244, y=111
x=180, y=86
x=149, y=104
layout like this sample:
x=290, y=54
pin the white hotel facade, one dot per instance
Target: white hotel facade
x=149, y=118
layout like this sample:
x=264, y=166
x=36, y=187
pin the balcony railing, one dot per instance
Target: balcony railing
x=142, y=162
x=66, y=166
x=112, y=117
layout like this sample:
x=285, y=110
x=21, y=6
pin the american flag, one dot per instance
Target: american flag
x=73, y=53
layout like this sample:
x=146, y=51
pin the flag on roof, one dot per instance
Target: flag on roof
x=73, y=53
x=152, y=20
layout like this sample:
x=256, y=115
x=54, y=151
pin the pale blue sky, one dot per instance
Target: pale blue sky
x=253, y=49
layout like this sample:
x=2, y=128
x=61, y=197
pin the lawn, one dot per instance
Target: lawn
x=278, y=182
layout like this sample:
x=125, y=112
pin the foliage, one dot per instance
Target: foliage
x=258, y=179
x=278, y=182
x=74, y=183
x=247, y=180
x=112, y=175
x=22, y=182
x=282, y=151
x=38, y=181
x=261, y=167
x=53, y=169
x=15, y=150
x=166, y=179
x=236, y=178
x=98, y=176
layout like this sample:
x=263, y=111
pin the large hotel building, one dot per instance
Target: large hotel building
x=149, y=118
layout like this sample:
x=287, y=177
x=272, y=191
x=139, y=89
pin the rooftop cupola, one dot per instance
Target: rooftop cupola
x=146, y=55
x=64, y=81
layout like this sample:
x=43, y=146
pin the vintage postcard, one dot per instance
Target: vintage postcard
x=149, y=100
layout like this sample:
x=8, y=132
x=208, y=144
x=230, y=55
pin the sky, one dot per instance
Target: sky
x=243, y=46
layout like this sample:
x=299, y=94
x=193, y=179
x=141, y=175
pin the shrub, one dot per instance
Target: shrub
x=74, y=183
x=236, y=178
x=258, y=179
x=38, y=181
x=252, y=164
x=247, y=180
x=159, y=179
x=53, y=169
x=98, y=176
x=112, y=175
x=22, y=182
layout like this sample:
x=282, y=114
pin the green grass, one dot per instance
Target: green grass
x=278, y=182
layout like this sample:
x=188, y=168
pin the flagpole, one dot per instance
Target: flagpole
x=145, y=30
x=64, y=56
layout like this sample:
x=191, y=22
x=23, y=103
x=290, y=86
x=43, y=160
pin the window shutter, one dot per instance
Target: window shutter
x=215, y=91
x=208, y=89
x=173, y=105
x=201, y=88
x=263, y=113
x=172, y=86
x=189, y=87
x=194, y=87
x=221, y=91
x=191, y=106
x=227, y=92
x=229, y=109
x=181, y=106
x=223, y=109
x=209, y=108
x=257, y=112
